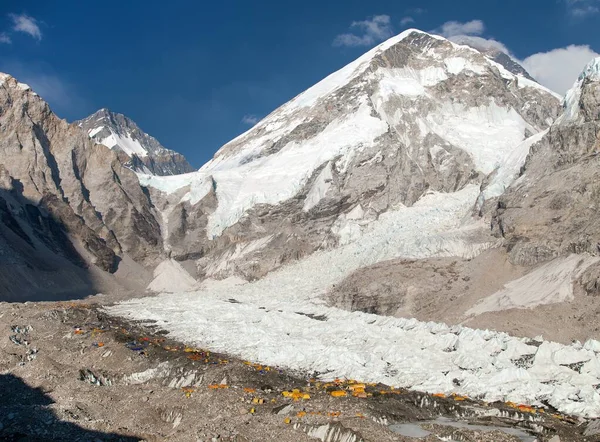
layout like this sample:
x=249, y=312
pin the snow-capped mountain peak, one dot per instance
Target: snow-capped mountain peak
x=120, y=133
x=417, y=113
x=575, y=105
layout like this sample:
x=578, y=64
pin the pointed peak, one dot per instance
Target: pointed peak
x=7, y=78
x=580, y=104
x=591, y=71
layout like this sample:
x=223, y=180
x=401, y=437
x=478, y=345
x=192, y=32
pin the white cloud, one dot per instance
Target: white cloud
x=5, y=38
x=406, y=21
x=368, y=32
x=469, y=33
x=480, y=43
x=454, y=28
x=26, y=24
x=558, y=69
x=250, y=119
x=583, y=8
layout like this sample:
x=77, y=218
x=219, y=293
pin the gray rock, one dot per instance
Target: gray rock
x=593, y=428
x=65, y=202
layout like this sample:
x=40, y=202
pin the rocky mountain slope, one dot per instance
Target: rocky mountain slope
x=71, y=213
x=547, y=270
x=417, y=114
x=138, y=150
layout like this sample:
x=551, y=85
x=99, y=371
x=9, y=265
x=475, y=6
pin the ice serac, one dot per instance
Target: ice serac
x=138, y=150
x=69, y=211
x=415, y=114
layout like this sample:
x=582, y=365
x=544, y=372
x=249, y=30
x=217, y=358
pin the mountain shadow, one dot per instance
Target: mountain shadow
x=38, y=260
x=25, y=415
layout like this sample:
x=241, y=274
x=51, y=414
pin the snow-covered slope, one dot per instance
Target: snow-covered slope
x=414, y=114
x=145, y=153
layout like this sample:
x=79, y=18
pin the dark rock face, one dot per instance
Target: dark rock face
x=121, y=133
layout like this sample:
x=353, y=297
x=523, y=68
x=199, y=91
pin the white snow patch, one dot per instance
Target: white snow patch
x=455, y=65
x=548, y=284
x=510, y=166
x=487, y=133
x=198, y=185
x=94, y=131
x=171, y=277
x=319, y=188
x=125, y=143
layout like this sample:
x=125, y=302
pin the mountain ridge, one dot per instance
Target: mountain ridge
x=144, y=152
x=405, y=118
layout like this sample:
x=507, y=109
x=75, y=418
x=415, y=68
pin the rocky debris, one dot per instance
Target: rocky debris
x=593, y=429
x=335, y=432
x=95, y=378
x=234, y=400
x=137, y=150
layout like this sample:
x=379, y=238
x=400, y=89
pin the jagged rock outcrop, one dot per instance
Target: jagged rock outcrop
x=414, y=115
x=63, y=198
x=551, y=209
x=137, y=150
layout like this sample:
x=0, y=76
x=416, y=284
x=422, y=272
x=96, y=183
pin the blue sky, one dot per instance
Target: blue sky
x=196, y=74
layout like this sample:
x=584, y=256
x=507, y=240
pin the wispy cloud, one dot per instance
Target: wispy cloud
x=583, y=8
x=250, y=119
x=26, y=24
x=366, y=32
x=480, y=43
x=453, y=28
x=5, y=38
x=410, y=14
x=405, y=21
x=470, y=33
